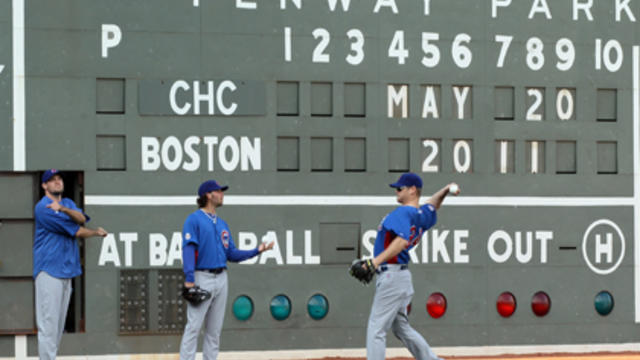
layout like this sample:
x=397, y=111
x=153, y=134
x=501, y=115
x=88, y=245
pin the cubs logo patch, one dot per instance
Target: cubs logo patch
x=187, y=236
x=414, y=237
x=225, y=238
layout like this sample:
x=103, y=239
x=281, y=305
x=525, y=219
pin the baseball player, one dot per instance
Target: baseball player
x=56, y=259
x=398, y=232
x=207, y=245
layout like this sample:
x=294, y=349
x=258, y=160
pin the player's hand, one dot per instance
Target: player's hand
x=266, y=246
x=101, y=232
x=189, y=284
x=55, y=206
x=363, y=270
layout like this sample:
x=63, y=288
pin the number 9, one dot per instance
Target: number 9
x=566, y=54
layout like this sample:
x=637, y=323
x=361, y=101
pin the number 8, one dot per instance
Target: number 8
x=535, y=57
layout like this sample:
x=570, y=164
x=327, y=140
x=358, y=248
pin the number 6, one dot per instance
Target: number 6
x=460, y=53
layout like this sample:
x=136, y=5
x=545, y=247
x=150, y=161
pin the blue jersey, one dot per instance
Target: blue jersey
x=408, y=223
x=213, y=241
x=55, y=249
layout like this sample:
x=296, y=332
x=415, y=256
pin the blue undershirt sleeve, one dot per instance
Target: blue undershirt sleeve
x=236, y=255
x=189, y=261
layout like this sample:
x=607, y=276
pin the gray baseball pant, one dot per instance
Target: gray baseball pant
x=211, y=312
x=394, y=290
x=52, y=301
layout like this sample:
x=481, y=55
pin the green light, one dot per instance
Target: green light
x=280, y=307
x=243, y=308
x=318, y=306
x=604, y=303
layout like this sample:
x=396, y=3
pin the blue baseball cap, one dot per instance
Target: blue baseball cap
x=408, y=179
x=49, y=174
x=209, y=186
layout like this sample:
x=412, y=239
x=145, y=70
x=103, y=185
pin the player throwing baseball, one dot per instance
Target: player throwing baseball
x=398, y=232
x=207, y=245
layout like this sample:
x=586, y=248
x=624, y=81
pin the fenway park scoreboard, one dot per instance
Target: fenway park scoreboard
x=308, y=109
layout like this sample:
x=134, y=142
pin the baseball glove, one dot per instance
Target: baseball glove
x=195, y=295
x=362, y=270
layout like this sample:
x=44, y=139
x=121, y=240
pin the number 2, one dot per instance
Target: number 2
x=318, y=53
x=427, y=165
x=531, y=113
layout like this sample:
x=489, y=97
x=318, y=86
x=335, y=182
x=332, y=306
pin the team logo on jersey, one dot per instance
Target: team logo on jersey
x=225, y=238
x=187, y=236
x=412, y=233
x=414, y=236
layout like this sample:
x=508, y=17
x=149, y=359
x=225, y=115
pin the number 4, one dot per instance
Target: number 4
x=397, y=49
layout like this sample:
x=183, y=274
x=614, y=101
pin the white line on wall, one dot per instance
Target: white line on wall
x=19, y=141
x=333, y=200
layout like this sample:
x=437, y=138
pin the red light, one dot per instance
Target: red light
x=506, y=304
x=436, y=305
x=540, y=303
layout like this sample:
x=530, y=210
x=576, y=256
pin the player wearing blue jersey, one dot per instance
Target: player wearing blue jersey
x=207, y=245
x=398, y=232
x=56, y=259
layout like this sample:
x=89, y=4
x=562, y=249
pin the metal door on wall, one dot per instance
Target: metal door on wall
x=19, y=192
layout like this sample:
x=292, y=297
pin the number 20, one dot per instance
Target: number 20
x=565, y=104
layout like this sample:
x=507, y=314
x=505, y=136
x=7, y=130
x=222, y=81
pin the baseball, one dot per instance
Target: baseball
x=454, y=189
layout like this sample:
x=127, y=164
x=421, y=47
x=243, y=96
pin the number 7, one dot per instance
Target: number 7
x=506, y=41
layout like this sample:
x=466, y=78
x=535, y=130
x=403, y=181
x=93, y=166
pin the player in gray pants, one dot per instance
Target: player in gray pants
x=208, y=236
x=398, y=232
x=52, y=302
x=56, y=259
x=210, y=312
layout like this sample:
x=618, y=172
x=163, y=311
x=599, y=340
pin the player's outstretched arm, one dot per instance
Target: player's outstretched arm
x=266, y=246
x=236, y=255
x=438, y=197
x=84, y=232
